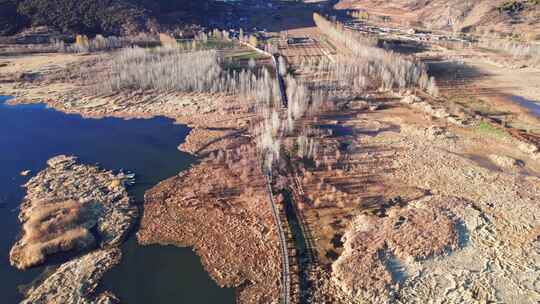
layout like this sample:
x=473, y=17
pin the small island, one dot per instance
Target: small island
x=72, y=207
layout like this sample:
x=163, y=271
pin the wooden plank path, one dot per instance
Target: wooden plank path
x=285, y=274
x=281, y=82
x=284, y=249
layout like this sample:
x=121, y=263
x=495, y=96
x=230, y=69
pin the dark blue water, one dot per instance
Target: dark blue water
x=532, y=106
x=31, y=134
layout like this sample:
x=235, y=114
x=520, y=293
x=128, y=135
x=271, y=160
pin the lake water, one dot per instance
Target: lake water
x=31, y=134
x=532, y=106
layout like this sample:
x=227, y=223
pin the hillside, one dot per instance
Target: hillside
x=110, y=17
x=518, y=18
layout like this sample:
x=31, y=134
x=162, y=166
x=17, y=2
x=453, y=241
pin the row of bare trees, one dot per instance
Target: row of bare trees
x=304, y=102
x=353, y=74
x=270, y=132
x=172, y=68
x=370, y=65
x=518, y=50
x=354, y=41
x=165, y=69
x=307, y=144
x=83, y=44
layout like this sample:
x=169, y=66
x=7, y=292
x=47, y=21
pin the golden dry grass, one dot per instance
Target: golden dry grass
x=53, y=226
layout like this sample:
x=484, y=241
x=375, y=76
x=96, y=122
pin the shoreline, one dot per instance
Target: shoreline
x=192, y=143
x=186, y=146
x=216, y=122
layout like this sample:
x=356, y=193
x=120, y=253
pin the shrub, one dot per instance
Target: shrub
x=167, y=40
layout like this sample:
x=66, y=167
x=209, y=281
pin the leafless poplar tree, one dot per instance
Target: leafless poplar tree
x=385, y=69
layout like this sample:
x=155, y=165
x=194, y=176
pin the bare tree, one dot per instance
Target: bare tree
x=385, y=69
x=172, y=68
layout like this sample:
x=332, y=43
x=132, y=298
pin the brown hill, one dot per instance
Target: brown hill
x=517, y=18
x=109, y=17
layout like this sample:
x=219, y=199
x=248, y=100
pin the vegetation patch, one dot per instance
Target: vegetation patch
x=512, y=7
x=488, y=129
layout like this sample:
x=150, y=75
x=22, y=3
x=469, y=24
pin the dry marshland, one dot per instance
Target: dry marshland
x=222, y=205
x=399, y=200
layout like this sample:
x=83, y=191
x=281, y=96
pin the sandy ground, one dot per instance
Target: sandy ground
x=47, y=61
x=520, y=82
x=471, y=81
x=485, y=73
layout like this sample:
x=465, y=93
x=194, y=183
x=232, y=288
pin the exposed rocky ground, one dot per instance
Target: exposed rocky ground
x=71, y=208
x=447, y=227
x=75, y=281
x=497, y=211
x=63, y=204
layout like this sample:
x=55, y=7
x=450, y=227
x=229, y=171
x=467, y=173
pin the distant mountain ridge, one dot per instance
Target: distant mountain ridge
x=109, y=17
x=507, y=17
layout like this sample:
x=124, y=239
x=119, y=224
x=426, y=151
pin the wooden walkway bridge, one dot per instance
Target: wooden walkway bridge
x=285, y=270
